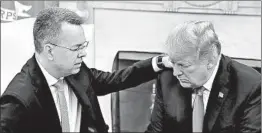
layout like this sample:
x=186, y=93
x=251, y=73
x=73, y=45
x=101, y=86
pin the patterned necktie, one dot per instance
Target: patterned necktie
x=198, y=110
x=63, y=106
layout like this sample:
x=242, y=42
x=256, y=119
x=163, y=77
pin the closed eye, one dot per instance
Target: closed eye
x=77, y=46
x=183, y=65
x=80, y=46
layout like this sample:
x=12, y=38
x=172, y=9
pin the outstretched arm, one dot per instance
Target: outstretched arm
x=140, y=72
x=106, y=82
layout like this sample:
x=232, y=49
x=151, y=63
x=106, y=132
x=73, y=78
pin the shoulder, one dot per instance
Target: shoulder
x=20, y=88
x=244, y=73
x=85, y=72
x=243, y=77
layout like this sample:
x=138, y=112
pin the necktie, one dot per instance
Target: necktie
x=63, y=106
x=198, y=110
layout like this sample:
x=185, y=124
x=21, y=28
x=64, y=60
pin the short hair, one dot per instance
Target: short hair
x=199, y=35
x=47, y=26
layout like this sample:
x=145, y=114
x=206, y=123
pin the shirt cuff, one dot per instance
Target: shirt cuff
x=154, y=64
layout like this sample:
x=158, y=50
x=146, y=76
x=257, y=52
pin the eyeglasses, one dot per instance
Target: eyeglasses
x=81, y=47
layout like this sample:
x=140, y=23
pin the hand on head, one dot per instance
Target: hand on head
x=166, y=61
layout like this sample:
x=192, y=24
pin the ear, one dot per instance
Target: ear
x=212, y=61
x=49, y=51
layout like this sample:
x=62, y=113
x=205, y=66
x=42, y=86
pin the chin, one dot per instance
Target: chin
x=186, y=85
x=75, y=71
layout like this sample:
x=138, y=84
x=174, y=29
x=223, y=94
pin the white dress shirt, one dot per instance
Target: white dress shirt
x=74, y=107
x=154, y=63
x=208, y=86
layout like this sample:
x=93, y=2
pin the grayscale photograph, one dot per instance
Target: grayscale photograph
x=130, y=66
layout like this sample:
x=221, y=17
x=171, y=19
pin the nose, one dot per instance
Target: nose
x=176, y=71
x=82, y=53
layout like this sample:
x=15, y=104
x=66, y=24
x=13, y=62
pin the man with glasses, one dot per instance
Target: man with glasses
x=76, y=48
x=55, y=91
x=206, y=91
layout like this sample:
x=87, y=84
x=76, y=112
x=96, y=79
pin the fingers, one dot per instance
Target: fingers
x=166, y=61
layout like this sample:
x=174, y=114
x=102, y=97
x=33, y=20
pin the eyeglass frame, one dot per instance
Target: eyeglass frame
x=85, y=44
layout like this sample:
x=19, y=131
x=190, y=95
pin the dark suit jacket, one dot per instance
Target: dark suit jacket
x=238, y=111
x=27, y=104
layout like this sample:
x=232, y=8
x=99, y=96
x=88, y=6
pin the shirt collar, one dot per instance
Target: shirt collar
x=209, y=83
x=49, y=78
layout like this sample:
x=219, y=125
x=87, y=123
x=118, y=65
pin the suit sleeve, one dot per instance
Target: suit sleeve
x=106, y=82
x=251, y=120
x=157, y=116
x=12, y=115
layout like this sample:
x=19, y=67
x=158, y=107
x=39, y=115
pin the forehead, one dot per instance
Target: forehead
x=183, y=59
x=71, y=35
x=180, y=54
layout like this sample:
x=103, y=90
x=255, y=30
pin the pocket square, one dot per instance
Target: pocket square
x=220, y=94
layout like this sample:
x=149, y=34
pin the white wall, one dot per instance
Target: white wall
x=16, y=48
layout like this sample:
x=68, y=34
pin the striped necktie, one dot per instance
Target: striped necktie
x=62, y=105
x=198, y=110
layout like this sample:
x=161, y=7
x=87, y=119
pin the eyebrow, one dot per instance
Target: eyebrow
x=185, y=64
x=182, y=62
x=77, y=45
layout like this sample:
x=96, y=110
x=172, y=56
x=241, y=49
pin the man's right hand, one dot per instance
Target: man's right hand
x=166, y=61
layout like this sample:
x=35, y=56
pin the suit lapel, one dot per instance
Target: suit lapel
x=80, y=87
x=214, y=107
x=43, y=94
x=217, y=96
